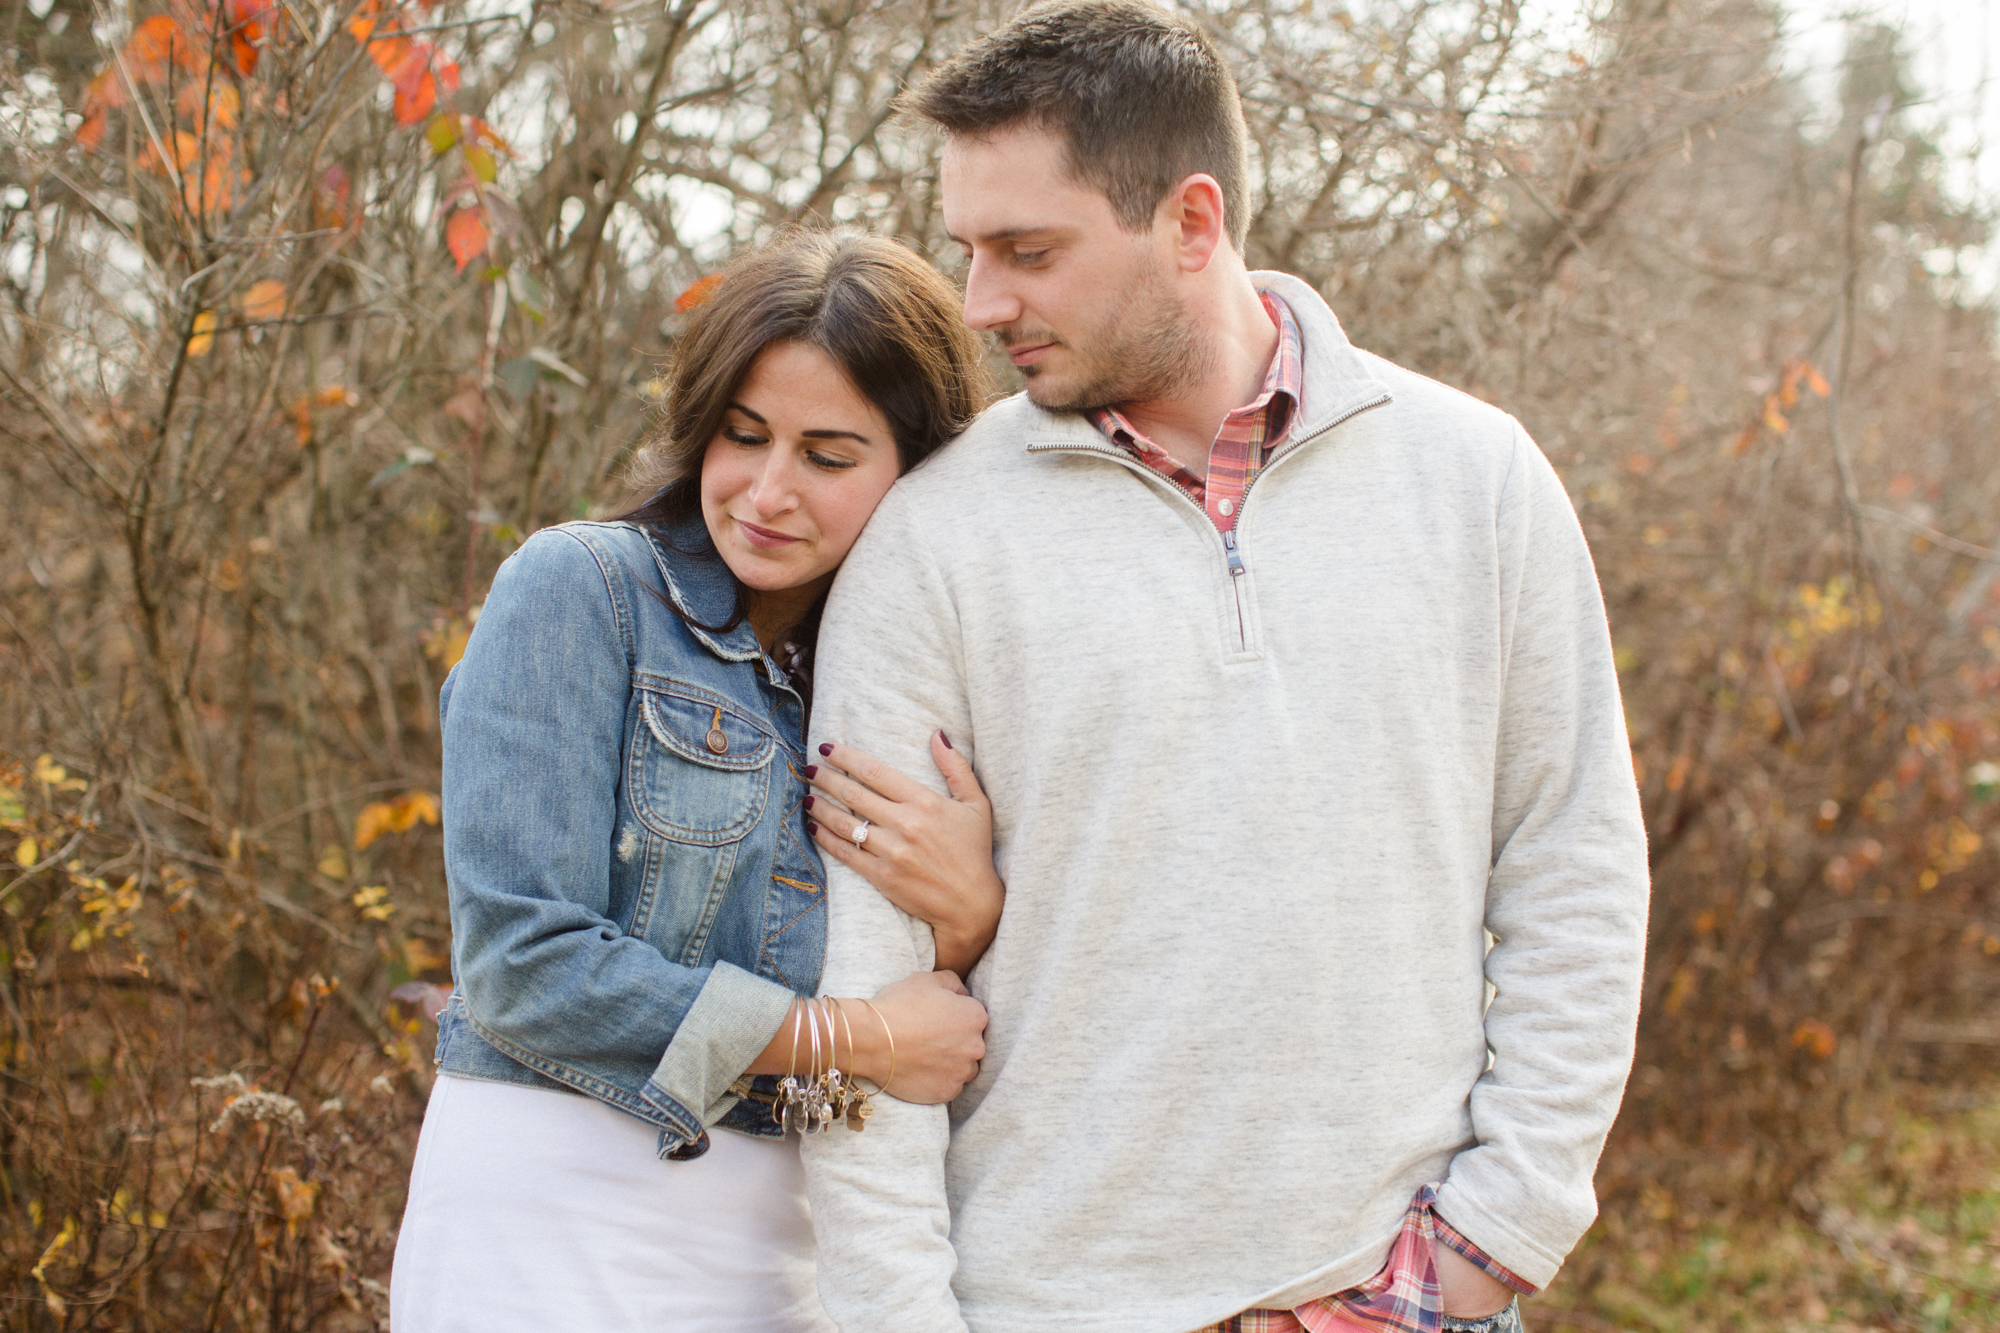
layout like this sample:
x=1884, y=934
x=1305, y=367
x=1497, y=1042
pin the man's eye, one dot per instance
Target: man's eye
x=828, y=462
x=1030, y=257
x=735, y=436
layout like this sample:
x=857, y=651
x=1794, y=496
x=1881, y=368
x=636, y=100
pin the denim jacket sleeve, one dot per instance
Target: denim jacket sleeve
x=534, y=738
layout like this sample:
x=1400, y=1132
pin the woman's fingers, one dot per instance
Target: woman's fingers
x=876, y=775
x=959, y=778
x=864, y=801
x=834, y=832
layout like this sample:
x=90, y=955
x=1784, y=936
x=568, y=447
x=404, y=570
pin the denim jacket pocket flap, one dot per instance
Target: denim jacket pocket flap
x=699, y=773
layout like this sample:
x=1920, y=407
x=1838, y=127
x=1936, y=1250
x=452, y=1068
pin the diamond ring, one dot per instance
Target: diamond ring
x=860, y=834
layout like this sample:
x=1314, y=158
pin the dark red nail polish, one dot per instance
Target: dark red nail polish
x=826, y=749
x=947, y=741
x=812, y=828
x=812, y=770
x=809, y=802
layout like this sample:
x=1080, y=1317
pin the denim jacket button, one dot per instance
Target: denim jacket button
x=717, y=741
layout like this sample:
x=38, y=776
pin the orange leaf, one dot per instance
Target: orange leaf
x=465, y=236
x=91, y=133
x=475, y=128
x=264, y=302
x=203, y=336
x=1745, y=440
x=156, y=43
x=397, y=816
x=186, y=146
x=1817, y=382
x=698, y=291
x=1815, y=1037
x=300, y=411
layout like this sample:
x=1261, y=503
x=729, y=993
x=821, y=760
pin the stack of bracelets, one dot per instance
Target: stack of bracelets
x=811, y=1104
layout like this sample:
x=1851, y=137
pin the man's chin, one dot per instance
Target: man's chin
x=1052, y=394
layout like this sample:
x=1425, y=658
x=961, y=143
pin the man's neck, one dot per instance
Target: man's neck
x=1242, y=340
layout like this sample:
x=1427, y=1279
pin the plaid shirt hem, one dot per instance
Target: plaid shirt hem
x=1403, y=1298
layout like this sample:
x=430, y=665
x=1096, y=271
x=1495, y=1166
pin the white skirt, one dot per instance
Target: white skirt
x=538, y=1210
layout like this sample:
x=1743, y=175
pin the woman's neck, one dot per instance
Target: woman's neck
x=776, y=613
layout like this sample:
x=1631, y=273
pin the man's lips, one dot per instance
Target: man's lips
x=765, y=537
x=1022, y=356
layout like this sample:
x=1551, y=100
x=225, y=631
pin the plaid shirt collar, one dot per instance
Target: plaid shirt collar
x=1250, y=436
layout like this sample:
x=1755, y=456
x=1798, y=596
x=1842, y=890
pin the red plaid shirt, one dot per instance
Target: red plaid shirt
x=1404, y=1296
x=1249, y=437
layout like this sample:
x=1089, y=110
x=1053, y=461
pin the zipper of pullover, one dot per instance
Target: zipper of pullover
x=1231, y=554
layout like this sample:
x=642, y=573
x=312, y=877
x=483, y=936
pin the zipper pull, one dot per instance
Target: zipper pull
x=1229, y=549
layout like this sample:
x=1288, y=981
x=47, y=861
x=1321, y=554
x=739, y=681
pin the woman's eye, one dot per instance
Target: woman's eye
x=829, y=463
x=735, y=436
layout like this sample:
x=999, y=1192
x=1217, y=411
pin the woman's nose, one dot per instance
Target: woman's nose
x=772, y=490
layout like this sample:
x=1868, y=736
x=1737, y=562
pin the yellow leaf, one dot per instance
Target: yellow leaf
x=55, y=1302
x=1773, y=418
x=333, y=863
x=373, y=902
x=397, y=816
x=204, y=334
x=296, y=1198
x=27, y=853
x=264, y=301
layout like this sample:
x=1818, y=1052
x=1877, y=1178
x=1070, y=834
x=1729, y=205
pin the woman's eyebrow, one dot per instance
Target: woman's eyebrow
x=807, y=434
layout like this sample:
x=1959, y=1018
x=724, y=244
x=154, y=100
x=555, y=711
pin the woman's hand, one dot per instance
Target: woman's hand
x=939, y=1031
x=928, y=854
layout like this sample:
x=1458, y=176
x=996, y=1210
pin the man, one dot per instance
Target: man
x=1287, y=675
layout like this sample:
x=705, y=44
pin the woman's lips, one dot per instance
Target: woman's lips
x=764, y=537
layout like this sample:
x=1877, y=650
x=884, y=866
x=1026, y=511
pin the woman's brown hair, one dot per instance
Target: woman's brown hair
x=887, y=318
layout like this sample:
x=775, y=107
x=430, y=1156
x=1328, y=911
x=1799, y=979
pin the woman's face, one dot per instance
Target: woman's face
x=800, y=462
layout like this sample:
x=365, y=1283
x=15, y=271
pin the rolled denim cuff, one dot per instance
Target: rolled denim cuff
x=730, y=1022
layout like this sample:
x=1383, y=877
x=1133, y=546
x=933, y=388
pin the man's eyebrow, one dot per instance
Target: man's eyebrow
x=1007, y=234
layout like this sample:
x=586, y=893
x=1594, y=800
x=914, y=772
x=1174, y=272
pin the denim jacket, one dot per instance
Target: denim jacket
x=634, y=898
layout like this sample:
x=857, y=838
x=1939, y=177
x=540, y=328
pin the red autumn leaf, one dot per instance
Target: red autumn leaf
x=465, y=236
x=698, y=291
x=252, y=23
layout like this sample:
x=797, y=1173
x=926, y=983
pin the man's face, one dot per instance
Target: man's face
x=1086, y=308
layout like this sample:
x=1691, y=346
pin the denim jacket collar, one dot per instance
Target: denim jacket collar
x=701, y=585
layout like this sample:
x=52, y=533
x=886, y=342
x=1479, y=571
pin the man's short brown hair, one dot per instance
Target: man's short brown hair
x=1141, y=99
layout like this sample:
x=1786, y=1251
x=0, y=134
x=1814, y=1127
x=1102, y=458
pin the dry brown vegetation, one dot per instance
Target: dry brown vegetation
x=310, y=312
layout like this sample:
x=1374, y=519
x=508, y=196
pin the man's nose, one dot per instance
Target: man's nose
x=989, y=304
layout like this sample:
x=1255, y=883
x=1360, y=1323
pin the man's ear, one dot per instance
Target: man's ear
x=1193, y=212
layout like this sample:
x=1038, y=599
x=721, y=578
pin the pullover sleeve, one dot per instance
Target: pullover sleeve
x=534, y=739
x=889, y=673
x=1566, y=901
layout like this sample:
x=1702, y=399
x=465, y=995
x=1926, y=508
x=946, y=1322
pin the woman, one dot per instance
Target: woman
x=637, y=909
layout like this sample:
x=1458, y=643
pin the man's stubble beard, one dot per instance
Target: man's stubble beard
x=1147, y=350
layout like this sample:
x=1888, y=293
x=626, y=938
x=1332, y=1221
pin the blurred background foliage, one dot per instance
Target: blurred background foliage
x=310, y=312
